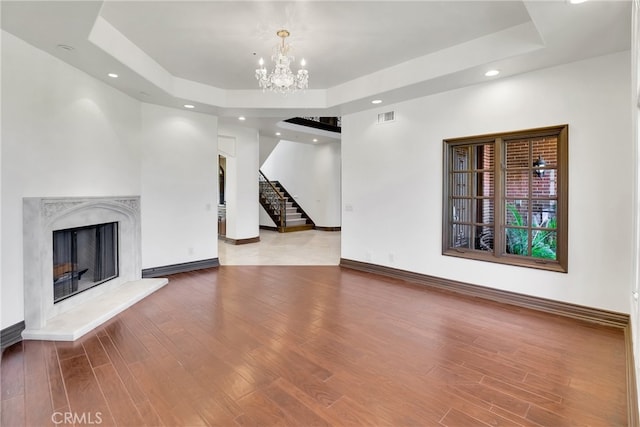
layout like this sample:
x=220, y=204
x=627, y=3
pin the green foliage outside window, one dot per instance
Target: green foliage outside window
x=543, y=242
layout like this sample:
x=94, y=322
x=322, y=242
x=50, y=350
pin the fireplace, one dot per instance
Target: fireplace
x=83, y=257
x=88, y=249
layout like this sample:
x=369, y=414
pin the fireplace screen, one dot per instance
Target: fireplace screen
x=84, y=257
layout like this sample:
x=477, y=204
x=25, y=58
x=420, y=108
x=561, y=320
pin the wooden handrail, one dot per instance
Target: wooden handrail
x=271, y=184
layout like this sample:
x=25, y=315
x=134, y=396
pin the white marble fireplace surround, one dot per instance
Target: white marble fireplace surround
x=73, y=317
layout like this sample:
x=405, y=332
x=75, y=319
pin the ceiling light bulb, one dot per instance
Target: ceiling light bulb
x=315, y=140
x=303, y=62
x=278, y=134
x=189, y=106
x=242, y=118
x=492, y=73
x=261, y=62
x=577, y=1
x=377, y=101
x=113, y=75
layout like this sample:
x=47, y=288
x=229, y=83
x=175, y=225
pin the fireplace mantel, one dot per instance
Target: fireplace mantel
x=44, y=215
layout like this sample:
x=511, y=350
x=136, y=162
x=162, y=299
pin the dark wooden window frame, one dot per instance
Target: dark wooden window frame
x=498, y=255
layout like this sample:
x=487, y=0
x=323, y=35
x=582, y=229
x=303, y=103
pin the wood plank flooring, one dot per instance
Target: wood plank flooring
x=318, y=346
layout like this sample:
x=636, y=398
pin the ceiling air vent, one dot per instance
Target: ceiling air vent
x=386, y=117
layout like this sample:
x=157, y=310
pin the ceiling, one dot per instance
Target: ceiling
x=205, y=52
x=218, y=43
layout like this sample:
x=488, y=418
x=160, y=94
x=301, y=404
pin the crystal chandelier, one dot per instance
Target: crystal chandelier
x=282, y=78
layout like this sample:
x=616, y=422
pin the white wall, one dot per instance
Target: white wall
x=267, y=144
x=635, y=116
x=265, y=219
x=240, y=147
x=311, y=174
x=179, y=186
x=392, y=179
x=63, y=134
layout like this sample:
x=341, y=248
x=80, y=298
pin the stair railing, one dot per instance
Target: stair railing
x=273, y=198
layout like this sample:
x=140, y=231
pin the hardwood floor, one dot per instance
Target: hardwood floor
x=319, y=346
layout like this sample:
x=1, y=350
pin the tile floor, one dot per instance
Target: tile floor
x=311, y=247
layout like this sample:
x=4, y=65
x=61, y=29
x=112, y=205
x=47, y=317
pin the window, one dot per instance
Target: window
x=505, y=198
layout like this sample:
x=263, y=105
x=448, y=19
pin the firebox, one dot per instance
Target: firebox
x=83, y=257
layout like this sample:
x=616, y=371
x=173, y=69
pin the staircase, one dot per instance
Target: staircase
x=282, y=208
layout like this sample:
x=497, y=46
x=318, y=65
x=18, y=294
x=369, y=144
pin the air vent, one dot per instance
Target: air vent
x=66, y=47
x=386, y=117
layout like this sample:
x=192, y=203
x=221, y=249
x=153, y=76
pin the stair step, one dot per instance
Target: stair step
x=294, y=215
x=289, y=229
x=294, y=222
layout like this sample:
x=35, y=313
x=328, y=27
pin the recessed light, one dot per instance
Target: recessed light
x=113, y=75
x=377, y=101
x=189, y=106
x=315, y=139
x=242, y=118
x=577, y=1
x=492, y=73
x=278, y=134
